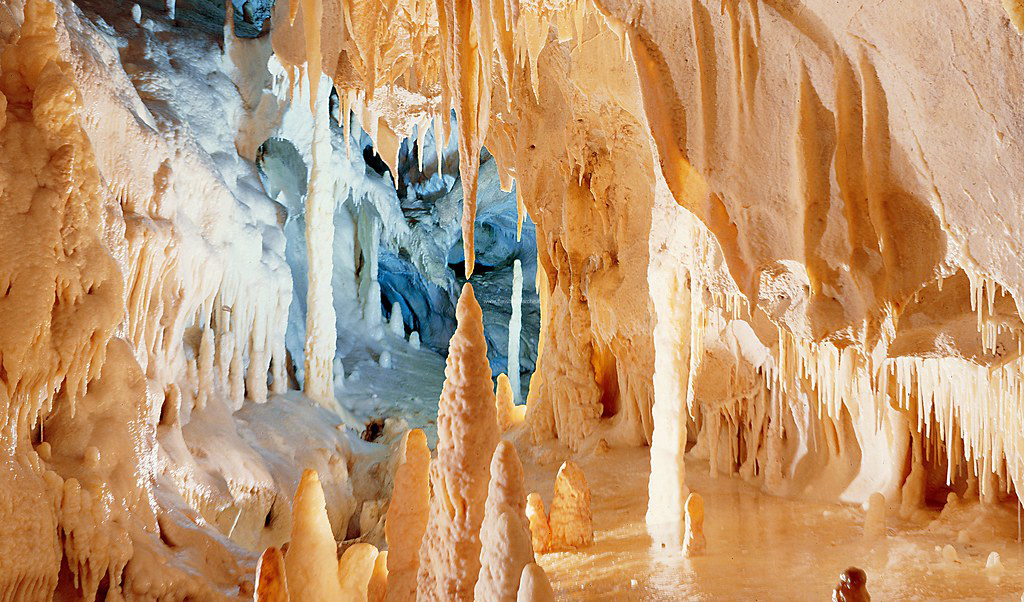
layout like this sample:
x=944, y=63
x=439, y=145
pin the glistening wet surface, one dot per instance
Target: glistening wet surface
x=761, y=547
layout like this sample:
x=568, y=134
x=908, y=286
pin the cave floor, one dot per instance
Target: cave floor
x=762, y=547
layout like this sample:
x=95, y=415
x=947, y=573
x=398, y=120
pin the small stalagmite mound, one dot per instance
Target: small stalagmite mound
x=694, y=543
x=534, y=585
x=874, y=518
x=572, y=525
x=540, y=528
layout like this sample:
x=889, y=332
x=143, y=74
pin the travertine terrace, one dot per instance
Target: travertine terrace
x=300, y=299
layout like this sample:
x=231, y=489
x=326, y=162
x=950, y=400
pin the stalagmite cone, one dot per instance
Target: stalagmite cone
x=271, y=582
x=377, y=590
x=571, y=522
x=694, y=543
x=534, y=585
x=355, y=568
x=540, y=529
x=407, y=516
x=506, y=545
x=949, y=554
x=852, y=586
x=467, y=433
x=504, y=403
x=874, y=519
x=311, y=561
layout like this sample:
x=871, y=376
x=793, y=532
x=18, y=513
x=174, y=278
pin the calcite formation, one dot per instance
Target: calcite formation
x=377, y=589
x=311, y=562
x=572, y=524
x=271, y=578
x=540, y=528
x=781, y=240
x=355, y=570
x=504, y=405
x=694, y=543
x=874, y=519
x=534, y=585
x=467, y=433
x=817, y=278
x=505, y=537
x=407, y=516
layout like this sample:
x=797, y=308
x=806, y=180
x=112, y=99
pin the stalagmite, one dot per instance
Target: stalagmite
x=912, y=495
x=571, y=521
x=540, y=529
x=467, y=433
x=505, y=538
x=950, y=555
x=503, y=403
x=397, y=324
x=271, y=580
x=311, y=563
x=407, y=516
x=874, y=518
x=534, y=585
x=515, y=327
x=667, y=488
x=377, y=590
x=993, y=566
x=321, y=327
x=694, y=543
x=355, y=570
